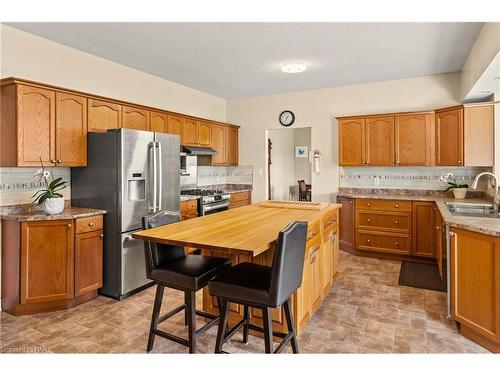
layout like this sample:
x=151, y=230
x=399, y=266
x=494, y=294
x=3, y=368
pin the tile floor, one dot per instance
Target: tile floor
x=365, y=312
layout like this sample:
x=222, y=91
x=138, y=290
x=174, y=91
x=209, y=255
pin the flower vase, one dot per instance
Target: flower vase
x=459, y=193
x=53, y=206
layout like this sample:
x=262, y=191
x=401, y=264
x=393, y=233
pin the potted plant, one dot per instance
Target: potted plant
x=52, y=201
x=459, y=190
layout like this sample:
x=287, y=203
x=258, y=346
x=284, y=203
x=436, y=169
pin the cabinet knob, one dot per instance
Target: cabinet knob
x=369, y=204
x=397, y=206
x=396, y=244
x=69, y=225
x=368, y=241
x=452, y=234
x=459, y=162
x=91, y=224
x=396, y=222
x=53, y=161
x=368, y=219
x=102, y=235
x=59, y=160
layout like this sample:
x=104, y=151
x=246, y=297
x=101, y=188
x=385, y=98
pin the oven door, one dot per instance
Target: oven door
x=212, y=208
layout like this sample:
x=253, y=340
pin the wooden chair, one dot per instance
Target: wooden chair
x=304, y=191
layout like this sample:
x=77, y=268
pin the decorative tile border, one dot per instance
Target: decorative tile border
x=225, y=175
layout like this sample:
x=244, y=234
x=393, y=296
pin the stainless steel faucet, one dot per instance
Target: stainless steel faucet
x=496, y=197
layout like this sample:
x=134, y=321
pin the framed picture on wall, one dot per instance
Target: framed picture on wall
x=301, y=151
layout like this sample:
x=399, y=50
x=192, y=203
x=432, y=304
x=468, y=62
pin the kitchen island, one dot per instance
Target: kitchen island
x=248, y=234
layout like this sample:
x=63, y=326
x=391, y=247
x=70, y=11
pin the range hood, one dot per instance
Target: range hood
x=191, y=150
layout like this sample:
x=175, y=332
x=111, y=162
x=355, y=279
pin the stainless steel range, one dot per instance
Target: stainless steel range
x=209, y=201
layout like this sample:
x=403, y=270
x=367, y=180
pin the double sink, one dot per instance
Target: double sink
x=473, y=209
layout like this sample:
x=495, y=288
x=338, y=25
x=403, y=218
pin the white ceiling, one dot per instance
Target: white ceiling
x=243, y=59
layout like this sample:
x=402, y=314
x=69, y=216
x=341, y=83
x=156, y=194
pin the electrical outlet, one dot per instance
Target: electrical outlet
x=376, y=180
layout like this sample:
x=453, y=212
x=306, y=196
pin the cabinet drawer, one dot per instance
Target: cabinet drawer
x=312, y=232
x=383, y=205
x=188, y=215
x=330, y=218
x=395, y=222
x=383, y=242
x=88, y=224
x=243, y=196
x=189, y=205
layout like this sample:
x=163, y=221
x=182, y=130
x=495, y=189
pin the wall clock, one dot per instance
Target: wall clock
x=287, y=118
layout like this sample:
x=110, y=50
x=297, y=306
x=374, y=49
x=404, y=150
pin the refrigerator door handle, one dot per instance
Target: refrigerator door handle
x=152, y=147
x=159, y=174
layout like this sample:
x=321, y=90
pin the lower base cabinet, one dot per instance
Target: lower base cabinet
x=50, y=265
x=240, y=199
x=475, y=286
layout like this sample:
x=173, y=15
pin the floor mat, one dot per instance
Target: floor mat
x=422, y=276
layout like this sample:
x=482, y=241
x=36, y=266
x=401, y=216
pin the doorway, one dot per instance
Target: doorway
x=288, y=161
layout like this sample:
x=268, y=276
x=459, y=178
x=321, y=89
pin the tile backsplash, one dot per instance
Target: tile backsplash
x=17, y=185
x=225, y=175
x=405, y=177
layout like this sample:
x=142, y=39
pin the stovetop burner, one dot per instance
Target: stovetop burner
x=202, y=192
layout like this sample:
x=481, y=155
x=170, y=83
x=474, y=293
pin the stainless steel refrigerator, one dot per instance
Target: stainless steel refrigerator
x=129, y=173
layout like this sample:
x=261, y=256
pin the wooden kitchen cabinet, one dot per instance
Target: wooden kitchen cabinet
x=450, y=137
x=204, y=134
x=71, y=130
x=103, y=115
x=346, y=227
x=439, y=239
x=175, y=125
x=225, y=142
x=50, y=265
x=158, y=122
x=414, y=139
x=475, y=286
x=135, y=118
x=44, y=125
x=46, y=261
x=379, y=141
x=240, y=199
x=423, y=229
x=189, y=209
x=190, y=132
x=479, y=121
x=88, y=262
x=351, y=141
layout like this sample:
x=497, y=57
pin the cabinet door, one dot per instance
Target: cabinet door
x=219, y=144
x=46, y=260
x=71, y=130
x=475, y=282
x=352, y=142
x=88, y=262
x=303, y=298
x=204, y=134
x=449, y=137
x=327, y=251
x=346, y=226
x=158, y=122
x=135, y=118
x=439, y=233
x=103, y=115
x=317, y=279
x=36, y=126
x=380, y=141
x=414, y=139
x=423, y=229
x=190, y=132
x=175, y=125
x=479, y=124
x=231, y=146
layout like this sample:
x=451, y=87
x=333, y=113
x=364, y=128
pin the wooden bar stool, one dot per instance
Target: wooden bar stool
x=169, y=267
x=263, y=287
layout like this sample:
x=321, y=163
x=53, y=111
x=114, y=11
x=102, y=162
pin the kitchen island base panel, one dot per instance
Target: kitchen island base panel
x=481, y=340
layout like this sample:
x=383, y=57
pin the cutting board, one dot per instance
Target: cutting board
x=317, y=206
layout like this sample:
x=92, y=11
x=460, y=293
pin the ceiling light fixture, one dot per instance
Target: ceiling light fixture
x=293, y=67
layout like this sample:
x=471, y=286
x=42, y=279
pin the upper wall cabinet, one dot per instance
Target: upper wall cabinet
x=225, y=142
x=39, y=124
x=456, y=136
x=478, y=134
x=414, y=139
x=379, y=141
x=352, y=142
x=196, y=133
x=158, y=122
x=135, y=118
x=450, y=137
x=104, y=115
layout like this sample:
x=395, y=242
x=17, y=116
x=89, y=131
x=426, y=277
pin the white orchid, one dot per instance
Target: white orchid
x=42, y=174
x=450, y=180
x=446, y=177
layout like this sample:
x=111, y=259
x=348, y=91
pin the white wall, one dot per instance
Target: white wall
x=302, y=166
x=318, y=109
x=28, y=56
x=484, y=50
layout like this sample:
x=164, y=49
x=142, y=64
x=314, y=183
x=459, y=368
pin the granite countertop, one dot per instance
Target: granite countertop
x=489, y=226
x=230, y=191
x=69, y=213
x=189, y=197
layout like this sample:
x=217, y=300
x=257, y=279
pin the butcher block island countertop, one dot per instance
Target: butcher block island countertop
x=248, y=234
